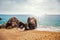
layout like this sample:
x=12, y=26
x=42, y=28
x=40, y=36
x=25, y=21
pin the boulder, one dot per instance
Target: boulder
x=31, y=23
x=13, y=22
x=21, y=25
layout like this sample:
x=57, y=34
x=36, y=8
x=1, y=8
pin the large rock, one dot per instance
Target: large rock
x=31, y=23
x=13, y=22
x=21, y=25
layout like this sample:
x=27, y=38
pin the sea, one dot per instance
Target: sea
x=44, y=23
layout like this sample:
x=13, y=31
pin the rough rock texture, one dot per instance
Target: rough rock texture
x=13, y=22
x=31, y=23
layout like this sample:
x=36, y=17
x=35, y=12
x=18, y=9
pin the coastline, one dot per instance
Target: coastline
x=17, y=34
x=48, y=28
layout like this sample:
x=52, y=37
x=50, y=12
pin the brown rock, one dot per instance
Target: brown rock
x=13, y=22
x=31, y=23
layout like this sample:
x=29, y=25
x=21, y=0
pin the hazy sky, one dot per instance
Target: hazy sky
x=30, y=7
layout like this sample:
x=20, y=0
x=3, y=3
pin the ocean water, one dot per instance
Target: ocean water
x=46, y=23
x=50, y=20
x=49, y=23
x=5, y=18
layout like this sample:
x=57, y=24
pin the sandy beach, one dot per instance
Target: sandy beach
x=17, y=34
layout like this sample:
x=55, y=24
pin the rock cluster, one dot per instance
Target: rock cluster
x=14, y=22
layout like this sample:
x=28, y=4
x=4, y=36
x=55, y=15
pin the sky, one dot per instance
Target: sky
x=34, y=7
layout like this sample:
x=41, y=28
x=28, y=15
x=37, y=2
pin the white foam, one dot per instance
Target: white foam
x=48, y=28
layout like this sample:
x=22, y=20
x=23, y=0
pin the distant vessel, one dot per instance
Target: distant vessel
x=0, y=18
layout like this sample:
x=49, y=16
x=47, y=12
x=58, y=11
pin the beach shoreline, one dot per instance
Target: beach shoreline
x=48, y=28
x=18, y=34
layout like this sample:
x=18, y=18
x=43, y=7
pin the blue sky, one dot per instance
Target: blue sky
x=36, y=7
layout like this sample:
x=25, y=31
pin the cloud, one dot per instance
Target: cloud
x=30, y=6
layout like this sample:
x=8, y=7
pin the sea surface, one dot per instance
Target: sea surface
x=46, y=23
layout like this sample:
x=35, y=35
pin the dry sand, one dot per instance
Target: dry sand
x=16, y=34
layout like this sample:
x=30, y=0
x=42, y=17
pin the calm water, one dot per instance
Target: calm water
x=48, y=21
x=5, y=18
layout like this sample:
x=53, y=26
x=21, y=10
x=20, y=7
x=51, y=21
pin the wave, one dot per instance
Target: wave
x=48, y=28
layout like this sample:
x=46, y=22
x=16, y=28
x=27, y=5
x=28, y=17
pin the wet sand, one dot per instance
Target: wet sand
x=17, y=34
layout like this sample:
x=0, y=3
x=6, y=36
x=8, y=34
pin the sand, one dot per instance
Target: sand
x=17, y=34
